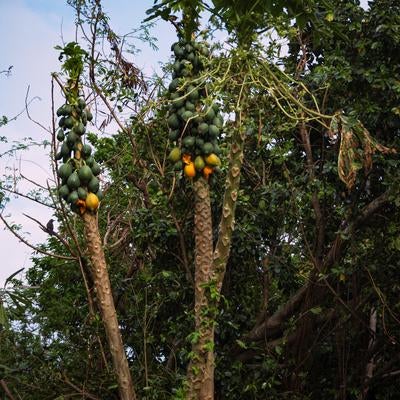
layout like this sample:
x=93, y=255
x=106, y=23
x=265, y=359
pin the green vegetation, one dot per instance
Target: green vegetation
x=250, y=222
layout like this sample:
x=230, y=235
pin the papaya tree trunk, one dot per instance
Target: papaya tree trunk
x=227, y=224
x=201, y=366
x=210, y=267
x=106, y=306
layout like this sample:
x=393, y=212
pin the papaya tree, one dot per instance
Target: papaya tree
x=194, y=137
x=80, y=188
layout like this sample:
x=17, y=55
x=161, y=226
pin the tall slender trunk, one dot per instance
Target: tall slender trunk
x=201, y=366
x=227, y=224
x=106, y=306
x=210, y=269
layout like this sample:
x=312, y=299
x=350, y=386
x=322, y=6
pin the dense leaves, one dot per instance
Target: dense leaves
x=310, y=298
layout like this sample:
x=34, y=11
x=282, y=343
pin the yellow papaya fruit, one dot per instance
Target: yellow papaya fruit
x=92, y=202
x=213, y=160
x=190, y=170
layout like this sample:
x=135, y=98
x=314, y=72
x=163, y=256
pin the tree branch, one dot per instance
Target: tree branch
x=20, y=238
x=273, y=325
x=52, y=233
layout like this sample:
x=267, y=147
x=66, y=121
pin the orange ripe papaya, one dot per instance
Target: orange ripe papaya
x=190, y=170
x=207, y=171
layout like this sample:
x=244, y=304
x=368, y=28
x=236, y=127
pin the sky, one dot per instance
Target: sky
x=31, y=29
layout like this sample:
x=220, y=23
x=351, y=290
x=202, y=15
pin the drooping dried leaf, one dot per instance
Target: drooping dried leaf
x=356, y=148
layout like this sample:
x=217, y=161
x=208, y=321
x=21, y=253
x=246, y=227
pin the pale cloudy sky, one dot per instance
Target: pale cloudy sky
x=29, y=30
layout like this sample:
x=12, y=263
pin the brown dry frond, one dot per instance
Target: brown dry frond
x=357, y=147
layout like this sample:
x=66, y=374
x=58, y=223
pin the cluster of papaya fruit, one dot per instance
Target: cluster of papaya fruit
x=79, y=186
x=195, y=124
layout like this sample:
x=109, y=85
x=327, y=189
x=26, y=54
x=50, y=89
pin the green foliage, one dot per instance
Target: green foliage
x=351, y=64
x=74, y=57
x=3, y=121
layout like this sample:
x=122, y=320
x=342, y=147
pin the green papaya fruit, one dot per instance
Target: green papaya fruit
x=79, y=129
x=81, y=103
x=203, y=128
x=199, y=163
x=177, y=101
x=208, y=148
x=186, y=115
x=204, y=51
x=198, y=119
x=173, y=121
x=85, y=174
x=177, y=67
x=60, y=135
x=90, y=161
x=65, y=150
x=100, y=194
x=82, y=193
x=175, y=154
x=210, y=114
x=60, y=111
x=93, y=185
x=173, y=86
x=190, y=57
x=173, y=135
x=213, y=131
x=64, y=171
x=178, y=166
x=95, y=170
x=73, y=181
x=186, y=72
x=73, y=197
x=190, y=106
x=217, y=149
x=179, y=51
x=69, y=122
x=72, y=138
x=199, y=142
x=89, y=115
x=68, y=109
x=63, y=192
x=193, y=93
x=218, y=122
x=189, y=141
x=86, y=150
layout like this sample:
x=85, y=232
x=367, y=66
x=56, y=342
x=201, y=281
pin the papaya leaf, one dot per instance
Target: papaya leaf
x=12, y=276
x=357, y=147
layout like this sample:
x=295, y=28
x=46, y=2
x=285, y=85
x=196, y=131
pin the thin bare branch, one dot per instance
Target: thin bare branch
x=27, y=197
x=52, y=233
x=38, y=250
x=81, y=392
x=27, y=111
